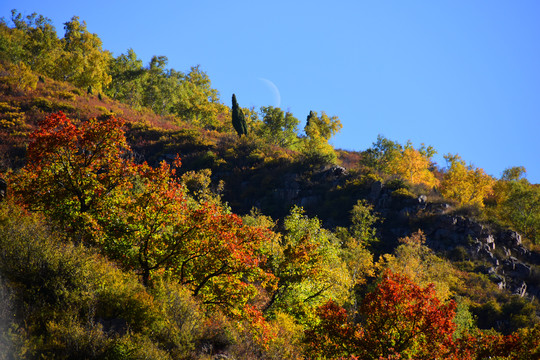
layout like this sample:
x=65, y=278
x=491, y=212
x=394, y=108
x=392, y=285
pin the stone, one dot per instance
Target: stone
x=490, y=241
x=511, y=238
x=3, y=189
x=521, y=290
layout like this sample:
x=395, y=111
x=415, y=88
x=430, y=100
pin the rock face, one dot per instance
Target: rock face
x=509, y=263
x=3, y=189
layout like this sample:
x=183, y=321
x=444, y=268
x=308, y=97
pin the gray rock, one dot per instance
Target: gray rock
x=3, y=189
x=521, y=290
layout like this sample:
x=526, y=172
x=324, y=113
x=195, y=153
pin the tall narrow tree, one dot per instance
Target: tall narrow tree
x=238, y=118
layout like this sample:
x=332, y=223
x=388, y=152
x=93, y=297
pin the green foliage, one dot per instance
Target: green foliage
x=319, y=130
x=517, y=203
x=308, y=267
x=83, y=61
x=279, y=128
x=238, y=118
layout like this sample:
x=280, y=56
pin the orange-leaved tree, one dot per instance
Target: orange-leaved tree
x=401, y=320
x=397, y=318
x=83, y=179
x=74, y=172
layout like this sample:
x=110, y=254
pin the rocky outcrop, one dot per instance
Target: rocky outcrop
x=509, y=264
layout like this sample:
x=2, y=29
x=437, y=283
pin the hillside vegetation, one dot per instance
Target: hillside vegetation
x=143, y=218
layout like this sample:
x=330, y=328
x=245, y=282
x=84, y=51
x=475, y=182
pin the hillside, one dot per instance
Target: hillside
x=141, y=221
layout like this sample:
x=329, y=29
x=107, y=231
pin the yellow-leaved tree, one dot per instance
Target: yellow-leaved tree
x=414, y=165
x=466, y=184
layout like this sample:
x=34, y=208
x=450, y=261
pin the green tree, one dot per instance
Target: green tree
x=127, y=79
x=319, y=130
x=41, y=44
x=520, y=207
x=279, y=128
x=83, y=62
x=308, y=266
x=238, y=118
x=198, y=101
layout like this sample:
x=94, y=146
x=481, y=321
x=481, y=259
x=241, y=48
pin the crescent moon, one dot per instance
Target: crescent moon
x=275, y=91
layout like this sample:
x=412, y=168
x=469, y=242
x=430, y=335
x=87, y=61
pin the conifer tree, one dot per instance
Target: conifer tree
x=238, y=118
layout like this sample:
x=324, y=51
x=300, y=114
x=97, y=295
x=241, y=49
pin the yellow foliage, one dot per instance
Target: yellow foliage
x=414, y=167
x=418, y=262
x=19, y=77
x=466, y=184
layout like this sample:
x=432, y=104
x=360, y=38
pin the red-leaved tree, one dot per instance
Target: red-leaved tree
x=401, y=320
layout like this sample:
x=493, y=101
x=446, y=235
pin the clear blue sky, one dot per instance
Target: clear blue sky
x=462, y=76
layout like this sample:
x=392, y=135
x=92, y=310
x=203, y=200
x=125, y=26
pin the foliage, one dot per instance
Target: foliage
x=414, y=166
x=307, y=266
x=74, y=173
x=517, y=203
x=139, y=215
x=82, y=62
x=319, y=130
x=18, y=77
x=419, y=263
x=279, y=128
x=398, y=318
x=465, y=184
x=238, y=118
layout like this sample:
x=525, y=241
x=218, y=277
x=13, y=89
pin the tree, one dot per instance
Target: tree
x=279, y=128
x=198, y=101
x=518, y=203
x=414, y=166
x=238, y=118
x=381, y=154
x=466, y=184
x=83, y=62
x=319, y=130
x=419, y=263
x=126, y=79
x=74, y=172
x=308, y=267
x=41, y=44
x=398, y=318
x=82, y=178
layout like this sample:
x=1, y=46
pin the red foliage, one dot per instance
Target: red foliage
x=398, y=320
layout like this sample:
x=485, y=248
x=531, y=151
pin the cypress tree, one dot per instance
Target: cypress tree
x=238, y=118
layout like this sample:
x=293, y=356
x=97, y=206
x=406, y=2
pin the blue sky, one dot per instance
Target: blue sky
x=462, y=76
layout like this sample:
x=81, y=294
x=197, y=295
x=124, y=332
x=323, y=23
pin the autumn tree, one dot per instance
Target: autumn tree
x=82, y=178
x=414, y=165
x=465, y=184
x=238, y=118
x=308, y=267
x=414, y=259
x=74, y=172
x=398, y=318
